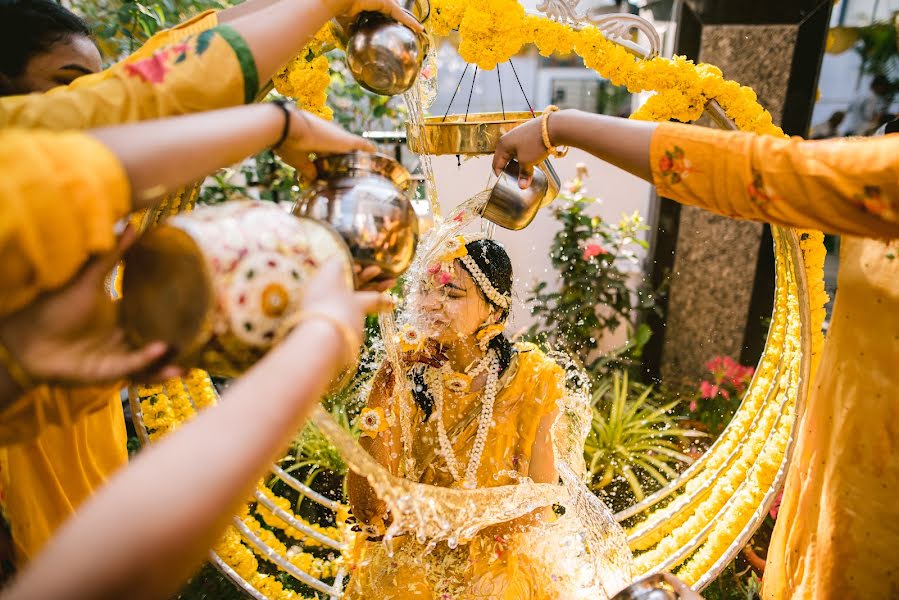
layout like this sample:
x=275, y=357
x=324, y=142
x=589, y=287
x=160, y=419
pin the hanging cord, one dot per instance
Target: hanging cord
x=468, y=106
x=458, y=85
x=499, y=81
x=521, y=87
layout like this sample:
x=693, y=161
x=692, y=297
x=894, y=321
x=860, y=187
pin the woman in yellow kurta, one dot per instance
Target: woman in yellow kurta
x=162, y=80
x=838, y=524
x=483, y=417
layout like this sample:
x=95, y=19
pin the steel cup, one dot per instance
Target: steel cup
x=513, y=208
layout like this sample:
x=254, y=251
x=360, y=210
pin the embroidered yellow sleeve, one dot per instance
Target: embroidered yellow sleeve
x=848, y=186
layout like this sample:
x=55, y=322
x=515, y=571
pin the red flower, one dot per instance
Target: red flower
x=152, y=69
x=591, y=250
x=694, y=405
x=665, y=164
x=708, y=390
x=775, y=508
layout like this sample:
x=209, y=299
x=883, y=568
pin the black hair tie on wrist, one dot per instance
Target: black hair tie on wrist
x=285, y=107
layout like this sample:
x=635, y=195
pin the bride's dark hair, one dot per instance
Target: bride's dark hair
x=496, y=265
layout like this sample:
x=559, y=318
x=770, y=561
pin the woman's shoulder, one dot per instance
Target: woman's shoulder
x=534, y=362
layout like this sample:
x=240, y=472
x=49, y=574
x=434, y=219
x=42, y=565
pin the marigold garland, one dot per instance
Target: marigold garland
x=307, y=76
x=164, y=407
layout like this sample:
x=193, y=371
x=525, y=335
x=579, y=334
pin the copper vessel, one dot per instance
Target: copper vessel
x=364, y=197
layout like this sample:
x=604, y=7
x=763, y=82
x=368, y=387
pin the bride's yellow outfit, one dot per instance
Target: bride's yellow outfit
x=498, y=562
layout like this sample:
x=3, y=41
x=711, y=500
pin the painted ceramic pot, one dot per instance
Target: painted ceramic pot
x=219, y=283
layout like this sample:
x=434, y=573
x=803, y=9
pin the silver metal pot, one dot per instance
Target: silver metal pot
x=513, y=208
x=384, y=56
x=653, y=587
x=364, y=197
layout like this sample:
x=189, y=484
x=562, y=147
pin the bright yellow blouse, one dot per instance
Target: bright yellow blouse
x=60, y=196
x=210, y=70
x=52, y=469
x=838, y=523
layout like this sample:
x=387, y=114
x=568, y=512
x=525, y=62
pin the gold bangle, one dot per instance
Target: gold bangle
x=559, y=152
x=16, y=372
x=351, y=341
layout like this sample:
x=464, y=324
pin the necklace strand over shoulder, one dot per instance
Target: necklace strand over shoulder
x=434, y=378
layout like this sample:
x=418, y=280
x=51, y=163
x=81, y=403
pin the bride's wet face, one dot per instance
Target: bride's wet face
x=454, y=308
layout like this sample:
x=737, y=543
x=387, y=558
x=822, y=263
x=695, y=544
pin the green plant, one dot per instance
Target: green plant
x=633, y=440
x=121, y=26
x=594, y=259
x=877, y=48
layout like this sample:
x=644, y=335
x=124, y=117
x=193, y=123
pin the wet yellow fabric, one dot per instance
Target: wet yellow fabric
x=492, y=565
x=838, y=524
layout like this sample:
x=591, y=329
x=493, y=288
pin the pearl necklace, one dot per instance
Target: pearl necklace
x=434, y=379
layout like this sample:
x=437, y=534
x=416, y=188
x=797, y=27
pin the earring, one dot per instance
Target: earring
x=486, y=333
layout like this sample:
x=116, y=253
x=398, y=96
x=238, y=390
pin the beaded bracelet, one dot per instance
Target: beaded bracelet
x=544, y=126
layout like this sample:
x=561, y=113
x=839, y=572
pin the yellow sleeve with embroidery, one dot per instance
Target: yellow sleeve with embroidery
x=194, y=26
x=60, y=196
x=211, y=70
x=846, y=186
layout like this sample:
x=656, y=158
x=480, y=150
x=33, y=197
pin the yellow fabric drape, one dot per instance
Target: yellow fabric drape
x=60, y=196
x=529, y=391
x=839, y=519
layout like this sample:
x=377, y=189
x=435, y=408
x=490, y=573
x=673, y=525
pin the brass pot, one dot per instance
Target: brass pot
x=653, y=587
x=364, y=198
x=513, y=208
x=217, y=284
x=384, y=56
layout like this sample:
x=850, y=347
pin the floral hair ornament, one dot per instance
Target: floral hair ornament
x=372, y=422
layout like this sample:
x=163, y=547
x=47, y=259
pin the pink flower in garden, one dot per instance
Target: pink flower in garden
x=694, y=405
x=708, y=389
x=591, y=250
x=775, y=508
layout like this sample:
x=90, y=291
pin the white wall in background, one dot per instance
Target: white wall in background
x=620, y=192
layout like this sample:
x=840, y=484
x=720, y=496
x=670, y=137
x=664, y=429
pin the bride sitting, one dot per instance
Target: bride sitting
x=483, y=416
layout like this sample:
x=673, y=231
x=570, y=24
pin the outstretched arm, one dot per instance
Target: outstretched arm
x=384, y=446
x=220, y=67
x=176, y=497
x=846, y=186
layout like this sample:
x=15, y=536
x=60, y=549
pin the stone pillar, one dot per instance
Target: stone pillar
x=720, y=270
